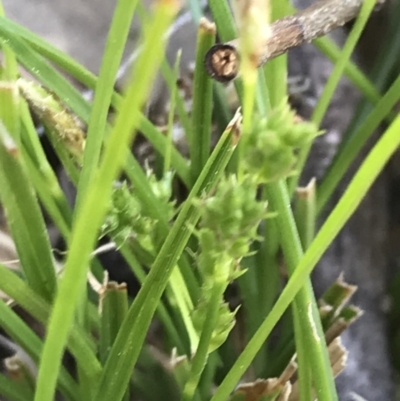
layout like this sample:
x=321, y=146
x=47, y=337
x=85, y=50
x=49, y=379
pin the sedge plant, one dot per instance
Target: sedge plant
x=204, y=232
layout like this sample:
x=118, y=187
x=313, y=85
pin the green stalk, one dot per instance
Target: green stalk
x=180, y=297
x=267, y=273
x=200, y=358
x=304, y=371
x=224, y=19
x=248, y=287
x=202, y=102
x=268, y=283
x=312, y=338
x=45, y=49
x=25, y=220
x=305, y=213
x=113, y=307
x=275, y=71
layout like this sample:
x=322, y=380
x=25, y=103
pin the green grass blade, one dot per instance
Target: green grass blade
x=25, y=220
x=42, y=175
x=353, y=146
x=57, y=207
x=114, y=48
x=275, y=71
x=10, y=72
x=330, y=87
x=334, y=78
x=89, y=218
x=304, y=362
x=113, y=308
x=353, y=73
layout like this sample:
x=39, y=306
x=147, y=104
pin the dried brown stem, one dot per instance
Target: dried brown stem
x=222, y=60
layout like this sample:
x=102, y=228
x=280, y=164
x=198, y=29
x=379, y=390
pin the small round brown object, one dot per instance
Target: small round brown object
x=222, y=62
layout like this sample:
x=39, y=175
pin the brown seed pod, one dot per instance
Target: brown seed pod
x=222, y=62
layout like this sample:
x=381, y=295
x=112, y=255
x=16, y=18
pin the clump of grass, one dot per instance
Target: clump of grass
x=236, y=212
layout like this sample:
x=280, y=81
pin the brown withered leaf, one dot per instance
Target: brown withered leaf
x=277, y=389
x=257, y=390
